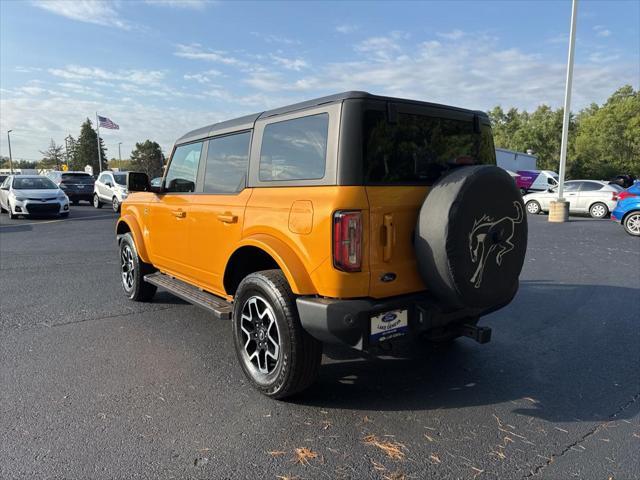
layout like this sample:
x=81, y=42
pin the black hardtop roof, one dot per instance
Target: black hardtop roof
x=247, y=122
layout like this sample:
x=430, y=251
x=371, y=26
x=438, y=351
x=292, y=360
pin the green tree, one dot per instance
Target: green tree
x=147, y=157
x=608, y=139
x=86, y=150
x=53, y=157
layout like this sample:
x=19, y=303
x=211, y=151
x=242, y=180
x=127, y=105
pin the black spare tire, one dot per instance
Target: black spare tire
x=471, y=238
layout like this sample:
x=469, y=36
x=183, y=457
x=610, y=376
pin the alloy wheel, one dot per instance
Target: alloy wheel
x=127, y=267
x=260, y=335
x=633, y=223
x=115, y=204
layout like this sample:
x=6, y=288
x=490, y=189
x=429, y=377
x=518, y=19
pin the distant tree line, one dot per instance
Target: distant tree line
x=77, y=153
x=604, y=140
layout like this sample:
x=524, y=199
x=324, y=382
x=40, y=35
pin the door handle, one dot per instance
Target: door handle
x=228, y=218
x=389, y=237
x=179, y=213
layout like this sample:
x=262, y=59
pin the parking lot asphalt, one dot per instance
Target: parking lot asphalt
x=95, y=386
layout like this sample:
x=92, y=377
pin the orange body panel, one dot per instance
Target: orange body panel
x=192, y=236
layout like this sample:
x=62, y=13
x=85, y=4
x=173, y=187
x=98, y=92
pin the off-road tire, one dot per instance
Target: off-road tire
x=138, y=290
x=96, y=201
x=300, y=354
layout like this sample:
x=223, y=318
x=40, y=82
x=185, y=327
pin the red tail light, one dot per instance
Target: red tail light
x=626, y=194
x=347, y=241
x=614, y=196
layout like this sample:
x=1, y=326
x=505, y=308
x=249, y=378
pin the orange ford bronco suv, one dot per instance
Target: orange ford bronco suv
x=349, y=219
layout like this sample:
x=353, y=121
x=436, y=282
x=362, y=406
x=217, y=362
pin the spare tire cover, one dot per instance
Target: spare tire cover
x=471, y=238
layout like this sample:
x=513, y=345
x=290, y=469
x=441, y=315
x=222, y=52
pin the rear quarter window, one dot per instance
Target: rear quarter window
x=295, y=149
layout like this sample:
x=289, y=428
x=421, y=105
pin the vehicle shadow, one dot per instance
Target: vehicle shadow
x=569, y=351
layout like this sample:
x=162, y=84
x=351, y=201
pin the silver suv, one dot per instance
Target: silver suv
x=111, y=188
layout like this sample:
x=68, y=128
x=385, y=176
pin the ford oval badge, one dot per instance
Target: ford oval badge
x=389, y=317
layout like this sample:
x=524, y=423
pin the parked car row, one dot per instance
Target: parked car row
x=32, y=195
x=595, y=197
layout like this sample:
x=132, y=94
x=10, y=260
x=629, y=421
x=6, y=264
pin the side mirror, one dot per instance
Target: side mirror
x=108, y=183
x=138, y=182
x=4, y=187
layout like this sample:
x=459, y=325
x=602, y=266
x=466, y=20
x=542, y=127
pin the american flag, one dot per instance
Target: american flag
x=107, y=123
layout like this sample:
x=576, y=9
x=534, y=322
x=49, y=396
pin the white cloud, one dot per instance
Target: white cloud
x=189, y=4
x=281, y=39
x=347, y=28
x=452, y=35
x=473, y=72
x=89, y=11
x=602, y=31
x=203, y=77
x=195, y=51
x=296, y=64
x=141, y=77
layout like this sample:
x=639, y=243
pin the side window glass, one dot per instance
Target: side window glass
x=227, y=159
x=295, y=149
x=183, y=168
x=590, y=186
x=572, y=187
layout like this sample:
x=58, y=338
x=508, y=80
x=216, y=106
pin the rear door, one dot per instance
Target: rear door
x=406, y=148
x=217, y=212
x=590, y=193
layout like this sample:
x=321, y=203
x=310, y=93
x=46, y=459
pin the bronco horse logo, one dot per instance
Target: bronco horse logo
x=488, y=236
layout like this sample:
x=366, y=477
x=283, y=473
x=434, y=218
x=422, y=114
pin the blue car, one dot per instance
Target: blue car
x=627, y=211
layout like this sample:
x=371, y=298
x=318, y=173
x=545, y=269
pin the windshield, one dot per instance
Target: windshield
x=33, y=183
x=84, y=178
x=120, y=178
x=418, y=149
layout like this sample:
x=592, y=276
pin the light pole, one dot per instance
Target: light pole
x=119, y=155
x=10, y=158
x=559, y=209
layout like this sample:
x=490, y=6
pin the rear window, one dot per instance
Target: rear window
x=418, y=149
x=295, y=149
x=77, y=178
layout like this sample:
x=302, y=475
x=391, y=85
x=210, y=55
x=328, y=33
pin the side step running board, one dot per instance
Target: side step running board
x=216, y=305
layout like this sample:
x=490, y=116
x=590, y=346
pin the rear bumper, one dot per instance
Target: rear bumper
x=348, y=322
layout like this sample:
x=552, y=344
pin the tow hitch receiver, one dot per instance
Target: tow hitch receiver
x=479, y=334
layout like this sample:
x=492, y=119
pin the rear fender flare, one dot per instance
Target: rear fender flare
x=286, y=258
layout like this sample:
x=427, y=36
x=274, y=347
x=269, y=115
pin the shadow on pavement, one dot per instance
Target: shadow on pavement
x=563, y=352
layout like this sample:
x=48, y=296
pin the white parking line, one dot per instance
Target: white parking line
x=56, y=221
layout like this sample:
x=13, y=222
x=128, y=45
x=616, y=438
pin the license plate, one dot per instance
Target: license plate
x=389, y=325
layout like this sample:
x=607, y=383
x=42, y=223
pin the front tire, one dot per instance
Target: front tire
x=133, y=270
x=115, y=204
x=96, y=201
x=598, y=210
x=12, y=216
x=632, y=224
x=533, y=207
x=276, y=354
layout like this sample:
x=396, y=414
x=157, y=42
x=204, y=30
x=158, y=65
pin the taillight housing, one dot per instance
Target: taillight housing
x=347, y=240
x=625, y=194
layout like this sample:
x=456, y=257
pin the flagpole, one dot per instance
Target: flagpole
x=99, y=153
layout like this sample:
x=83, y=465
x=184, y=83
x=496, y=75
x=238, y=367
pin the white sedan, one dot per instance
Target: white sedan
x=32, y=195
x=595, y=197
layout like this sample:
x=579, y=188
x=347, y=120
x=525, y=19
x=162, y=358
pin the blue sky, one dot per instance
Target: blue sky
x=159, y=68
